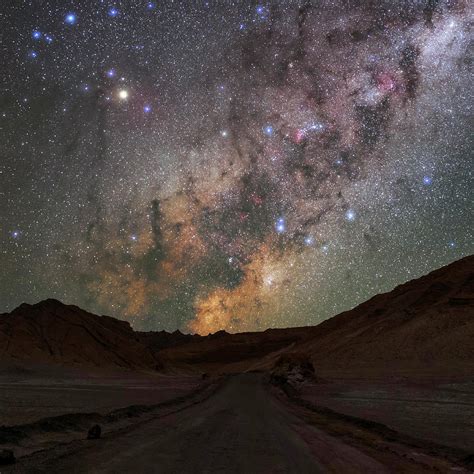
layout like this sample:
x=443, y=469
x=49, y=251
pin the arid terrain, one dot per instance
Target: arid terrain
x=385, y=387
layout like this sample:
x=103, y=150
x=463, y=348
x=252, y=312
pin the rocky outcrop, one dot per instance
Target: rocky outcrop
x=51, y=332
x=294, y=369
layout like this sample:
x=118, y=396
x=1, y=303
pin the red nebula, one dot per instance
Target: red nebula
x=385, y=82
x=299, y=135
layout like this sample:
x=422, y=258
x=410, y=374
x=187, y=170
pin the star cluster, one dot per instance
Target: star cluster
x=232, y=165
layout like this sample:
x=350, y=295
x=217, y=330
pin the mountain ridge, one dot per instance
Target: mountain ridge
x=424, y=323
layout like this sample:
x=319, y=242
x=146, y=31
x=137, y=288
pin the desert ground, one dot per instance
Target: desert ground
x=27, y=396
x=246, y=425
x=438, y=410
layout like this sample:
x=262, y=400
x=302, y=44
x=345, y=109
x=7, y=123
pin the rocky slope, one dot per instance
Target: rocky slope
x=425, y=325
x=50, y=332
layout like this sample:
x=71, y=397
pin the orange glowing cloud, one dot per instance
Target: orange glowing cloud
x=247, y=307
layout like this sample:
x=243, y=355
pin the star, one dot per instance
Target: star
x=110, y=73
x=123, y=94
x=36, y=34
x=147, y=109
x=427, y=180
x=315, y=127
x=268, y=130
x=70, y=19
x=350, y=215
x=113, y=12
x=262, y=12
x=280, y=225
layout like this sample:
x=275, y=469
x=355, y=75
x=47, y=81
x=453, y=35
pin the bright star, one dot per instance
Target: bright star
x=268, y=130
x=15, y=234
x=70, y=19
x=224, y=133
x=113, y=12
x=350, y=215
x=147, y=109
x=37, y=34
x=280, y=226
x=111, y=73
x=123, y=94
x=134, y=237
x=33, y=54
x=48, y=39
x=309, y=240
x=427, y=180
x=316, y=126
x=150, y=5
x=262, y=12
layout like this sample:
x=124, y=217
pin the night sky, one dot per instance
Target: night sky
x=231, y=165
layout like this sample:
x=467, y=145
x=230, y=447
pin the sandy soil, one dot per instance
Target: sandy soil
x=31, y=395
x=241, y=428
x=441, y=411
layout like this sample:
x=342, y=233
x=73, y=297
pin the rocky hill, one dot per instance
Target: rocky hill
x=425, y=325
x=51, y=332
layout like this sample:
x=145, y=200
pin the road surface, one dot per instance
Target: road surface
x=239, y=429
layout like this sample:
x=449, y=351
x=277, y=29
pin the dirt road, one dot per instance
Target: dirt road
x=240, y=429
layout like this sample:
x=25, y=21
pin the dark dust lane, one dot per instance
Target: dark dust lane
x=240, y=429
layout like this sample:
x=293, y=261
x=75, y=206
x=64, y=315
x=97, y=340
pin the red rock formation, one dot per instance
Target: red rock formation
x=51, y=332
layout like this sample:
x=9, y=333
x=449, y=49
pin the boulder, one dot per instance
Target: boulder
x=293, y=369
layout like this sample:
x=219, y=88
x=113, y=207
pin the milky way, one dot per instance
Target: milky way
x=232, y=165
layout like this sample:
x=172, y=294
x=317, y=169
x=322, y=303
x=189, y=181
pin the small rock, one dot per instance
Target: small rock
x=6, y=457
x=94, y=432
